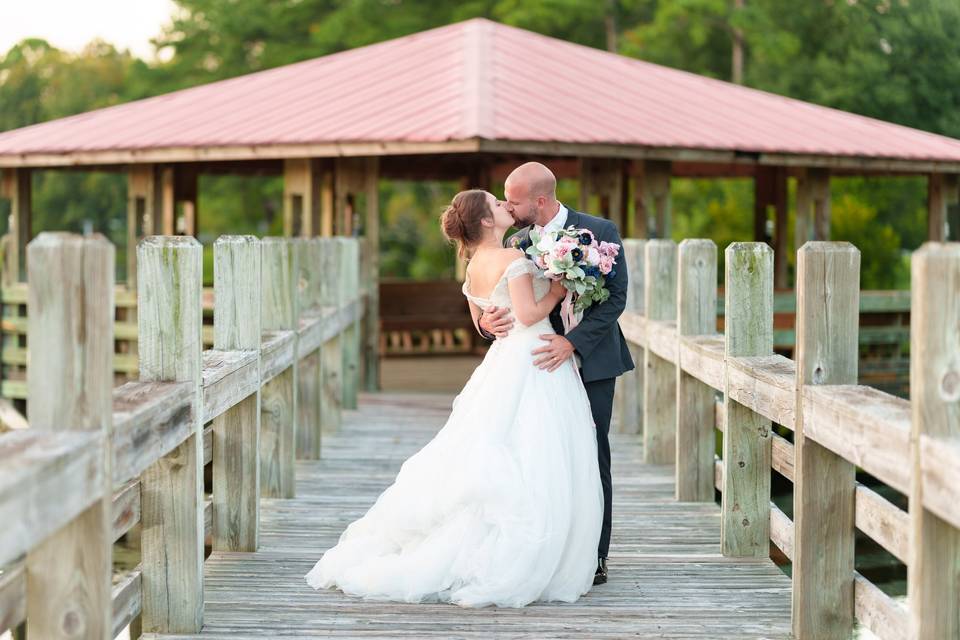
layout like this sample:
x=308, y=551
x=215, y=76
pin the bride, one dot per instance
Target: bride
x=503, y=507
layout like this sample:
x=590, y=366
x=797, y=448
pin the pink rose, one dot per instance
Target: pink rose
x=609, y=249
x=606, y=264
x=593, y=256
x=561, y=250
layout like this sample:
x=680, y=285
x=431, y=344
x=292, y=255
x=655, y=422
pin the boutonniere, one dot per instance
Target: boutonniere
x=522, y=243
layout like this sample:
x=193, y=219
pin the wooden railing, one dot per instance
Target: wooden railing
x=96, y=460
x=836, y=425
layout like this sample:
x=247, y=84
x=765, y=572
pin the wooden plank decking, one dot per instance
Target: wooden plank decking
x=667, y=577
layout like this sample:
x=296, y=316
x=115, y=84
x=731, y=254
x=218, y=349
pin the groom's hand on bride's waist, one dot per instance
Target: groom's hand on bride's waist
x=557, y=350
x=496, y=322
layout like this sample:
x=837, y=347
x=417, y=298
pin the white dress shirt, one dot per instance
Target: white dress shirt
x=556, y=223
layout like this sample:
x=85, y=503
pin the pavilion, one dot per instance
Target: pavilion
x=457, y=103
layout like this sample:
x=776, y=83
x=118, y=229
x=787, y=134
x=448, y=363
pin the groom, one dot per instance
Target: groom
x=599, y=347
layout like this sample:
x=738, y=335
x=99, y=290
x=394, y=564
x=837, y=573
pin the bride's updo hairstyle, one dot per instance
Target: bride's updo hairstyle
x=461, y=221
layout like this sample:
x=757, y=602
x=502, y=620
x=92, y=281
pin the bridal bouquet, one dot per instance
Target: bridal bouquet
x=574, y=257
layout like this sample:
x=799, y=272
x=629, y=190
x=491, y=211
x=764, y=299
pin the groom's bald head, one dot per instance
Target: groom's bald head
x=531, y=193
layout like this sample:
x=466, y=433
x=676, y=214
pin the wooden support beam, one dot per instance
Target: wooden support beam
x=70, y=387
x=331, y=353
x=236, y=432
x=660, y=378
x=166, y=200
x=604, y=178
x=371, y=274
x=308, y=369
x=141, y=213
x=781, y=249
x=696, y=315
x=628, y=397
x=770, y=197
x=748, y=329
x=186, y=192
x=278, y=399
x=951, y=183
x=302, y=196
x=349, y=271
x=169, y=299
x=941, y=194
x=17, y=187
x=933, y=579
x=652, y=199
x=828, y=304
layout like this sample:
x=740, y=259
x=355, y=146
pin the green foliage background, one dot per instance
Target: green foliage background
x=898, y=60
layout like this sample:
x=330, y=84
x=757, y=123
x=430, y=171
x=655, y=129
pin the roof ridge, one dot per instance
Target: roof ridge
x=478, y=91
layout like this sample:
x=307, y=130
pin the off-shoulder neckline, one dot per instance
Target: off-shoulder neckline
x=466, y=290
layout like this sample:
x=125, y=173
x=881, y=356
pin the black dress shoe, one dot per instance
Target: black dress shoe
x=600, y=577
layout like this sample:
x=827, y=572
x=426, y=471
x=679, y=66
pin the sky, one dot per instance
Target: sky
x=71, y=24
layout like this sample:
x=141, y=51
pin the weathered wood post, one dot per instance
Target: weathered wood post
x=629, y=393
x=69, y=386
x=748, y=324
x=933, y=580
x=278, y=399
x=660, y=377
x=349, y=293
x=236, y=432
x=828, y=314
x=331, y=353
x=169, y=291
x=308, y=369
x=696, y=315
x=371, y=274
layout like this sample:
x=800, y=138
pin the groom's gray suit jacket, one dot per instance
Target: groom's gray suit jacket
x=598, y=339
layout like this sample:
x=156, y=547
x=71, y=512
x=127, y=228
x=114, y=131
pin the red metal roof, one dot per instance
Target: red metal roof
x=478, y=79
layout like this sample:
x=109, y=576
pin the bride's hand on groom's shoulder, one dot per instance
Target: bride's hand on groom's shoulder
x=496, y=321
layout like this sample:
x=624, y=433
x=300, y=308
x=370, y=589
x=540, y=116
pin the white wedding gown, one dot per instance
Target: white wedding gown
x=503, y=507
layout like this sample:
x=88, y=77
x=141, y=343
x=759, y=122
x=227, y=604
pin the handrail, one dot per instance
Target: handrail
x=144, y=464
x=913, y=446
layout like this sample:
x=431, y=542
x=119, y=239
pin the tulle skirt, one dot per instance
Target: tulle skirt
x=503, y=507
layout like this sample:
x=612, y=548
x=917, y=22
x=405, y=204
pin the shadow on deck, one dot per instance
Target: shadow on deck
x=667, y=576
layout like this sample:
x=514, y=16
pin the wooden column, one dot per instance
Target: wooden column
x=349, y=183
x=185, y=195
x=171, y=490
x=70, y=387
x=660, y=377
x=16, y=187
x=828, y=308
x=349, y=291
x=302, y=186
x=813, y=207
x=952, y=199
x=605, y=178
x=371, y=276
x=652, y=199
x=933, y=579
x=236, y=432
x=308, y=369
x=942, y=197
x=628, y=405
x=696, y=315
x=141, y=213
x=770, y=192
x=331, y=353
x=748, y=329
x=278, y=399
x=781, y=248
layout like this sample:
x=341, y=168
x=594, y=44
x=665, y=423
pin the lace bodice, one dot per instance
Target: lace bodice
x=500, y=296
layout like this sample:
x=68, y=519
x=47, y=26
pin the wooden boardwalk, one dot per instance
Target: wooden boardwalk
x=668, y=579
